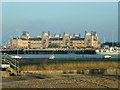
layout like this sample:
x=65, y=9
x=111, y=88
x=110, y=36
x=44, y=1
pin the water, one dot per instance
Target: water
x=63, y=55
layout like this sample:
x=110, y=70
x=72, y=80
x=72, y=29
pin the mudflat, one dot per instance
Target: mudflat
x=61, y=81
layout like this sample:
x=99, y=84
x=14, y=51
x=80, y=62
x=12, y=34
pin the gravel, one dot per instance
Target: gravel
x=62, y=81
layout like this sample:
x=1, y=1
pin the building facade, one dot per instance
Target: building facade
x=25, y=41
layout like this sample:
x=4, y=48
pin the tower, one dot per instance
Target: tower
x=25, y=35
x=91, y=39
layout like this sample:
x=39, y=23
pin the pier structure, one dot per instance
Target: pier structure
x=49, y=51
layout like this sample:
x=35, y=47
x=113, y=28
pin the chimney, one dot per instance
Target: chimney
x=54, y=35
x=59, y=35
x=85, y=32
x=42, y=33
x=79, y=35
x=63, y=33
x=48, y=33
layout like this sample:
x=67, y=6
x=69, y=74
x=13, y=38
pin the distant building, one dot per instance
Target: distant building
x=25, y=41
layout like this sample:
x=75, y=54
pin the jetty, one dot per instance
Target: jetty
x=48, y=51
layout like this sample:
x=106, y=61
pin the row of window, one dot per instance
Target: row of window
x=52, y=42
x=56, y=43
x=24, y=43
x=77, y=43
x=61, y=40
x=36, y=43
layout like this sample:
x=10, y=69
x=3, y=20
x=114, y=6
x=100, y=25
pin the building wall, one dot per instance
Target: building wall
x=66, y=40
x=89, y=40
x=59, y=42
x=45, y=41
x=17, y=43
x=77, y=43
x=26, y=37
x=33, y=43
x=95, y=41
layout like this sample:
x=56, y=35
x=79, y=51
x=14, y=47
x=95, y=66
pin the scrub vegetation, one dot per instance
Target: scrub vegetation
x=73, y=66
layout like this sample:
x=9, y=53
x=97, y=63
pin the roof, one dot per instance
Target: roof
x=45, y=34
x=35, y=39
x=56, y=39
x=81, y=39
x=88, y=34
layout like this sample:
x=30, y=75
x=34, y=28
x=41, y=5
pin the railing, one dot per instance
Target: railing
x=14, y=64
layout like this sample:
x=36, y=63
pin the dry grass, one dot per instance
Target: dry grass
x=73, y=66
x=29, y=67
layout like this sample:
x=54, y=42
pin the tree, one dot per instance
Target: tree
x=117, y=44
x=111, y=44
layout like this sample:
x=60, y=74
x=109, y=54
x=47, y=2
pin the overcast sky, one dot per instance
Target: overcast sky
x=59, y=17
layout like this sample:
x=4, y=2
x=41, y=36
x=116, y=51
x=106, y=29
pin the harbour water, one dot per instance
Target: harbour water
x=63, y=55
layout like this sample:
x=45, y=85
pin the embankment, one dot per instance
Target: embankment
x=86, y=67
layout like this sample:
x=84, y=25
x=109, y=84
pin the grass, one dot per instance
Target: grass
x=72, y=66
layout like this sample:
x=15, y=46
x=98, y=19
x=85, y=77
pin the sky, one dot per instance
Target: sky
x=59, y=17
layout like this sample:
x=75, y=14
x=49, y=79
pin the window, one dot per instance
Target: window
x=95, y=39
x=88, y=43
x=88, y=39
x=67, y=40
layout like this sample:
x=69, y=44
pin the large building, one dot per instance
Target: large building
x=25, y=41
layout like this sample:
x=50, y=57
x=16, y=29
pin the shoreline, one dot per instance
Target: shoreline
x=63, y=81
x=41, y=61
x=70, y=59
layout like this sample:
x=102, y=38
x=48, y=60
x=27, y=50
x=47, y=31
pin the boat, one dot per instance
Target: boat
x=115, y=52
x=107, y=56
x=16, y=57
x=52, y=57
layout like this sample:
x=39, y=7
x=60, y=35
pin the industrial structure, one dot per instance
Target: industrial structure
x=65, y=40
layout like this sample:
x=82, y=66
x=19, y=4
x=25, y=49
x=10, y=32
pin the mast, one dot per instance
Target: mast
x=103, y=39
x=18, y=40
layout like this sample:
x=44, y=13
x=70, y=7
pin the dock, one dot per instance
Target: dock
x=48, y=51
